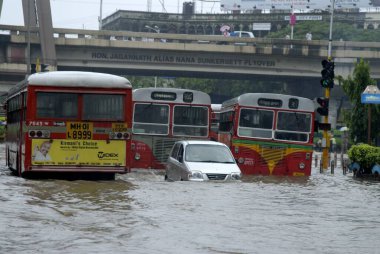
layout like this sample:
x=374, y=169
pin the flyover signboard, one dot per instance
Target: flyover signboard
x=295, y=4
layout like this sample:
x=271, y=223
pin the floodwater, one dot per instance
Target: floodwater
x=141, y=213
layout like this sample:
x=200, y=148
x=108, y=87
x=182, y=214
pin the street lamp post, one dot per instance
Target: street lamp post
x=28, y=61
x=100, y=15
x=157, y=30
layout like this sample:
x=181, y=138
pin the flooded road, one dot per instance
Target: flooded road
x=141, y=213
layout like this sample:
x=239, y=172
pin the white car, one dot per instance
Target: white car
x=242, y=34
x=192, y=160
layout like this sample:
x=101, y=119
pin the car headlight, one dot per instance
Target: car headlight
x=195, y=175
x=235, y=176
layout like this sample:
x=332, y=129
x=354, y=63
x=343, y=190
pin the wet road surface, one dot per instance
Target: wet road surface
x=141, y=213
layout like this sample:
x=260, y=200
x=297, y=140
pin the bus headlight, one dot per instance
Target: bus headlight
x=301, y=165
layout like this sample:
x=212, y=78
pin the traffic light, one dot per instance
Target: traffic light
x=323, y=110
x=33, y=68
x=328, y=74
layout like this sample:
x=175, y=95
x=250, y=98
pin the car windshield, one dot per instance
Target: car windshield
x=208, y=153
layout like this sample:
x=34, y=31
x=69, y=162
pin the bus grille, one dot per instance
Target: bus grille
x=162, y=148
x=271, y=154
x=216, y=176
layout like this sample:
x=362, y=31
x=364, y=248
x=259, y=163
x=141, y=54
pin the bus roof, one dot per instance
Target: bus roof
x=72, y=79
x=216, y=107
x=252, y=99
x=145, y=94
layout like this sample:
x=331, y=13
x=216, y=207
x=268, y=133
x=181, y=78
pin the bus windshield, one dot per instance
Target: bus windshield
x=151, y=119
x=190, y=121
x=256, y=123
x=293, y=126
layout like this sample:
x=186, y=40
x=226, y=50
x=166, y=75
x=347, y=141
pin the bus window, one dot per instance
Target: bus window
x=190, y=121
x=151, y=119
x=57, y=105
x=293, y=126
x=256, y=123
x=103, y=107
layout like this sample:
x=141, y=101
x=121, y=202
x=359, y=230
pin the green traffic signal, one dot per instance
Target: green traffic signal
x=327, y=83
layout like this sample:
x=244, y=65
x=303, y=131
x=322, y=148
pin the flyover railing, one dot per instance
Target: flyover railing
x=316, y=48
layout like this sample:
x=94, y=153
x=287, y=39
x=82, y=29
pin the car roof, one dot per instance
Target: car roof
x=200, y=142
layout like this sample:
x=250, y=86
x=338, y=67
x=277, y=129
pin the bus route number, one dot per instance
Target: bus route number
x=79, y=130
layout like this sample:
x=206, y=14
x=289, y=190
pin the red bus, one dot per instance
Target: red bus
x=269, y=134
x=76, y=122
x=161, y=116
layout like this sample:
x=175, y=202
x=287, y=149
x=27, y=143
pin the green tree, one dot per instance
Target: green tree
x=321, y=29
x=357, y=118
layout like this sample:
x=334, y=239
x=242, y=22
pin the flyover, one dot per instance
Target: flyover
x=153, y=54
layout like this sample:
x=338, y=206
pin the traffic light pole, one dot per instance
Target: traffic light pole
x=326, y=147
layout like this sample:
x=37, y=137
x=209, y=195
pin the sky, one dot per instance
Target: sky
x=83, y=14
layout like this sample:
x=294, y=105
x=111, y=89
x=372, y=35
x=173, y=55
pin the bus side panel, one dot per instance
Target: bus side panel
x=128, y=119
x=151, y=151
x=142, y=155
x=12, y=151
x=13, y=147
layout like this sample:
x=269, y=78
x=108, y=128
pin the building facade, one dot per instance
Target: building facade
x=210, y=24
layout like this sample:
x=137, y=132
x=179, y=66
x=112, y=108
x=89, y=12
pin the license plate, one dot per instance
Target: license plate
x=78, y=130
x=119, y=127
